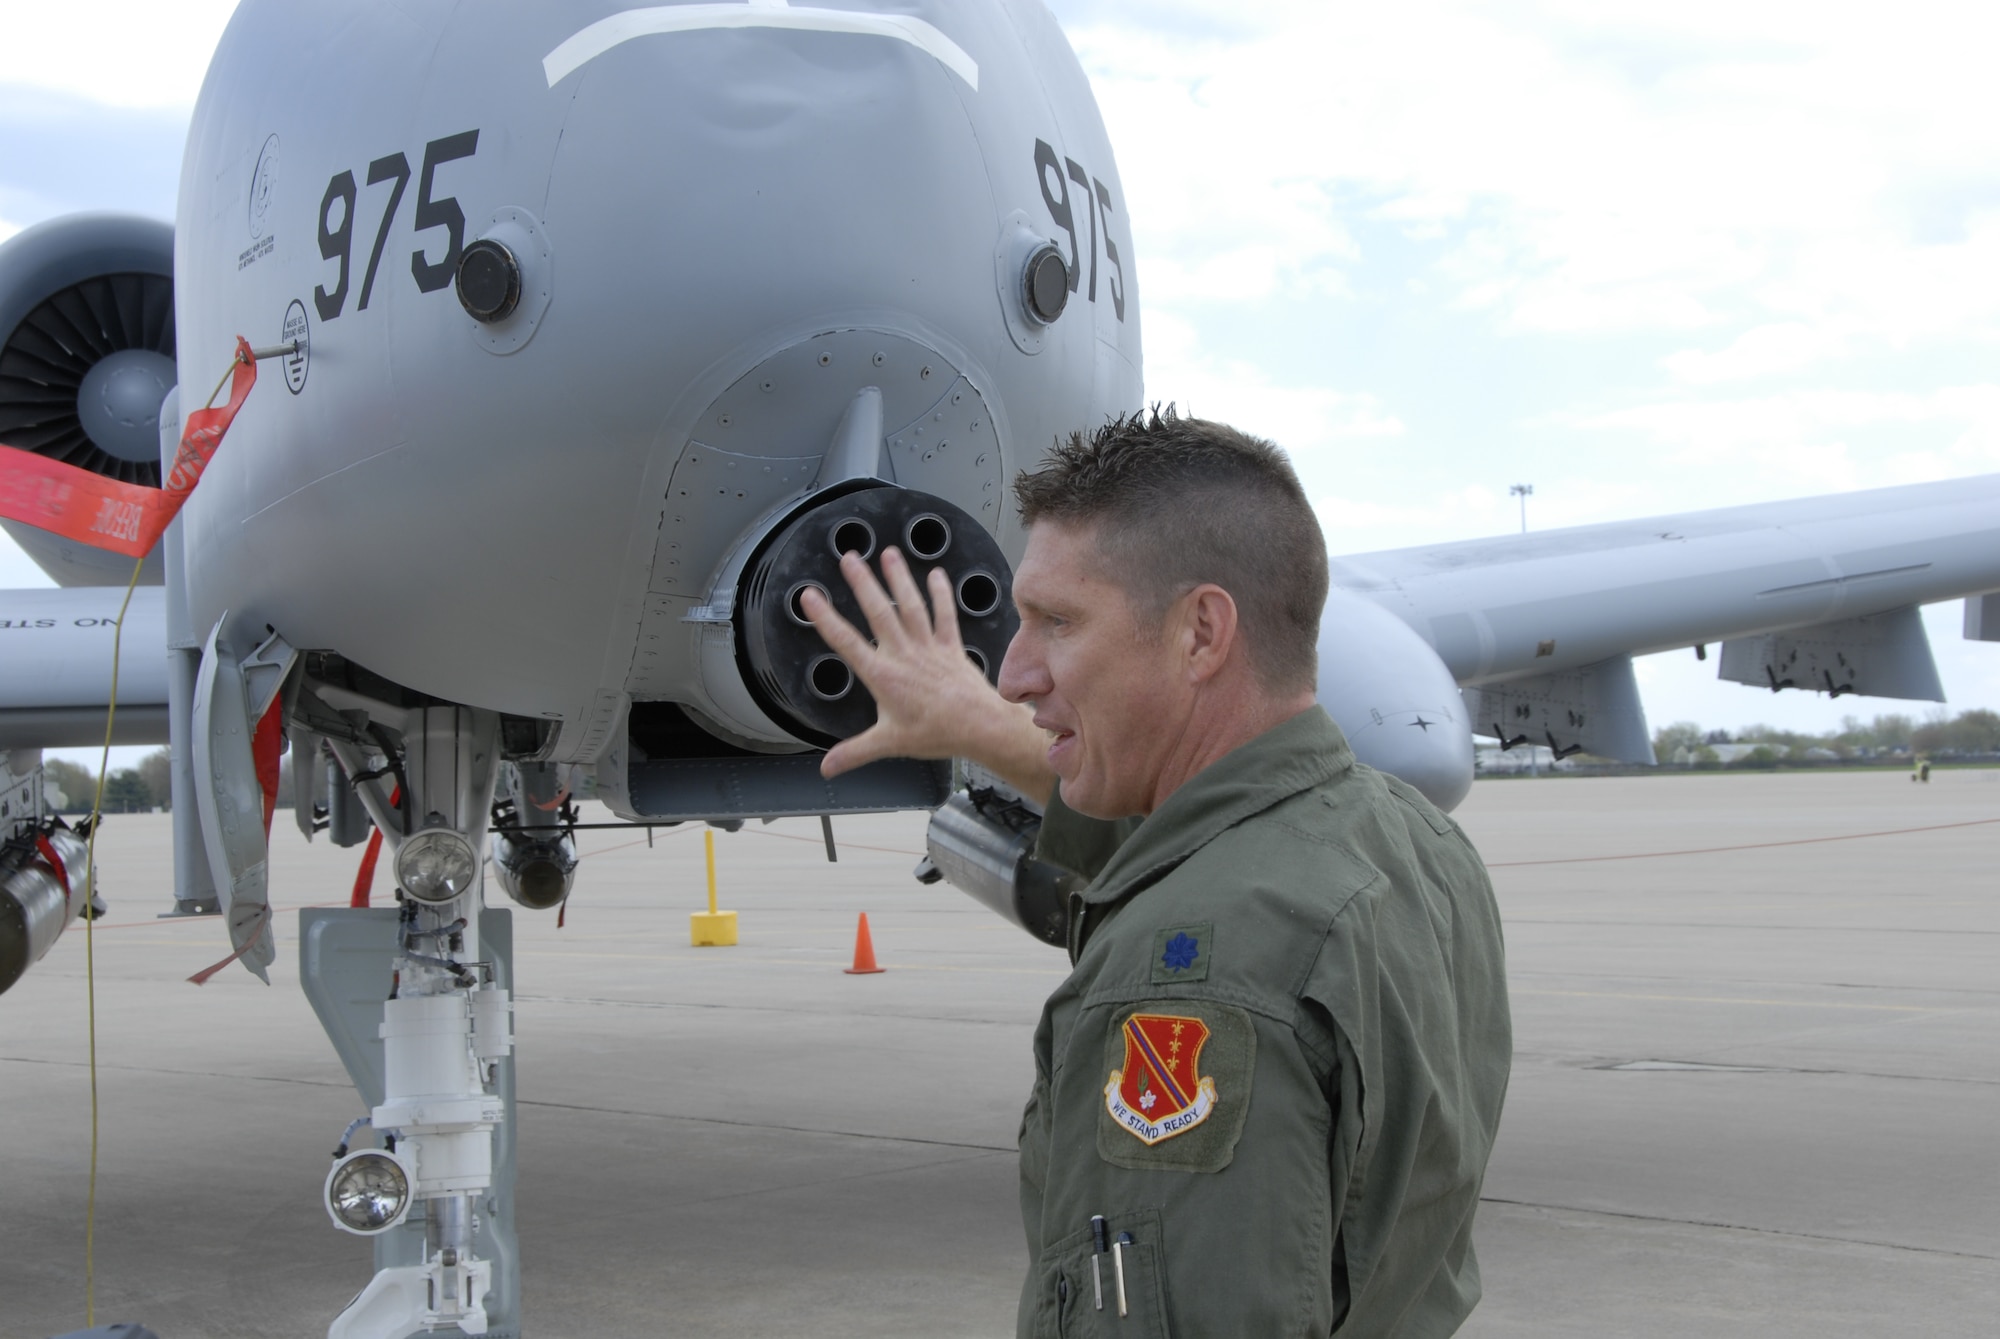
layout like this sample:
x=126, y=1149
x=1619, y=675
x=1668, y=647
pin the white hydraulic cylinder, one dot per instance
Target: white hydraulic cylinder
x=434, y=1090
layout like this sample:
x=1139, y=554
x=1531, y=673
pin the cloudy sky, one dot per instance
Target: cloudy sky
x=1646, y=258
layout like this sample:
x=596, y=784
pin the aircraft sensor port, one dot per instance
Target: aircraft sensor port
x=489, y=281
x=1045, y=284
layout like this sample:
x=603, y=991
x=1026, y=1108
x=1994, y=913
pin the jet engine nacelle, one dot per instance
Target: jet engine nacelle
x=86, y=357
x=1394, y=699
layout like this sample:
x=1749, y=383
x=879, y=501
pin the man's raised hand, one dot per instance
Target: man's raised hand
x=931, y=701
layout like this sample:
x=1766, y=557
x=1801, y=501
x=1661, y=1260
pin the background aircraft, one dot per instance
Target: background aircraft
x=606, y=329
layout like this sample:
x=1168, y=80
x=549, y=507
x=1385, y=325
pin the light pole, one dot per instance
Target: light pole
x=1523, y=492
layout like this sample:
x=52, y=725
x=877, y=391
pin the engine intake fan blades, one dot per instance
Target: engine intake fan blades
x=124, y=322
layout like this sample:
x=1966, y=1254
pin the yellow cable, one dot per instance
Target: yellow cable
x=90, y=950
x=90, y=921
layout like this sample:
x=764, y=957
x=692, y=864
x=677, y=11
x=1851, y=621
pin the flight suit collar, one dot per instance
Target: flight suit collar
x=1305, y=751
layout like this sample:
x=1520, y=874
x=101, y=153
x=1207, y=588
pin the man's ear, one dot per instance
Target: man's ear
x=1209, y=628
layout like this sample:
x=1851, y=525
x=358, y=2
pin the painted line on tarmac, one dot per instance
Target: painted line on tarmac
x=821, y=841
x=728, y=1006
x=1744, y=925
x=784, y=1129
x=1747, y=846
x=162, y=922
x=1728, y=999
x=822, y=964
x=1735, y=1227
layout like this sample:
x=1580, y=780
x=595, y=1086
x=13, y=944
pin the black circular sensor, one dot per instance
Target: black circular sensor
x=489, y=281
x=1045, y=285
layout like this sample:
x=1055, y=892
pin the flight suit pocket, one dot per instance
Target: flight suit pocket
x=1117, y=1294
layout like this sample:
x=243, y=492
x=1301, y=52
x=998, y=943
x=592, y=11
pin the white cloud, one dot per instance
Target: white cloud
x=1596, y=167
x=1763, y=351
x=1365, y=525
x=17, y=570
x=1804, y=433
x=1421, y=515
x=122, y=53
x=1302, y=419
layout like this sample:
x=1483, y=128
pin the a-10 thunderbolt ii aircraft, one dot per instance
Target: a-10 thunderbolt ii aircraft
x=595, y=334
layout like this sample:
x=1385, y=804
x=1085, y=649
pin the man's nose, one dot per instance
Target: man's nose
x=1022, y=676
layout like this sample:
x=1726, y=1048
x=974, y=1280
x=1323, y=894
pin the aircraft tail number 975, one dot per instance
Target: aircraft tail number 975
x=337, y=218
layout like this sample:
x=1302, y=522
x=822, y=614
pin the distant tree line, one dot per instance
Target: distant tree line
x=129, y=790
x=132, y=790
x=1891, y=737
x=1887, y=738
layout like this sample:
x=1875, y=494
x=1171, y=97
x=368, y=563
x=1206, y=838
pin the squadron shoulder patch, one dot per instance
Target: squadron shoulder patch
x=1160, y=1092
x=1181, y=1073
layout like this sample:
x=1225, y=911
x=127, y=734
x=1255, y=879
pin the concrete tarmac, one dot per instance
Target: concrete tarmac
x=1756, y=1092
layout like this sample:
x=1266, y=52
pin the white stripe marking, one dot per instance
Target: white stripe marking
x=593, y=41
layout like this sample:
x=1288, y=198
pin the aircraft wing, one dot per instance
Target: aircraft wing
x=1817, y=593
x=55, y=677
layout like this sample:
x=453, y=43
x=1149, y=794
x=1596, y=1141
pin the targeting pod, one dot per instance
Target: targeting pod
x=39, y=897
x=534, y=870
x=534, y=837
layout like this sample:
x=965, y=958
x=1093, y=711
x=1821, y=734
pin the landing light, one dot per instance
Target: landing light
x=367, y=1192
x=436, y=865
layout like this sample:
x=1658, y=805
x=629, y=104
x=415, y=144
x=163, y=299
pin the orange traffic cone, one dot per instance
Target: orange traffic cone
x=864, y=950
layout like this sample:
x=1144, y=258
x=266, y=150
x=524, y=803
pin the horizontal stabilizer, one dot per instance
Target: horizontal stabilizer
x=1876, y=655
x=1594, y=709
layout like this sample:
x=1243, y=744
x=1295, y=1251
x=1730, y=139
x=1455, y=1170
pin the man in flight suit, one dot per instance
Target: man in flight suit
x=1277, y=1067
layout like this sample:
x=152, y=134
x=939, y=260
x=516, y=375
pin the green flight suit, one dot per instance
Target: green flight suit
x=1278, y=1063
